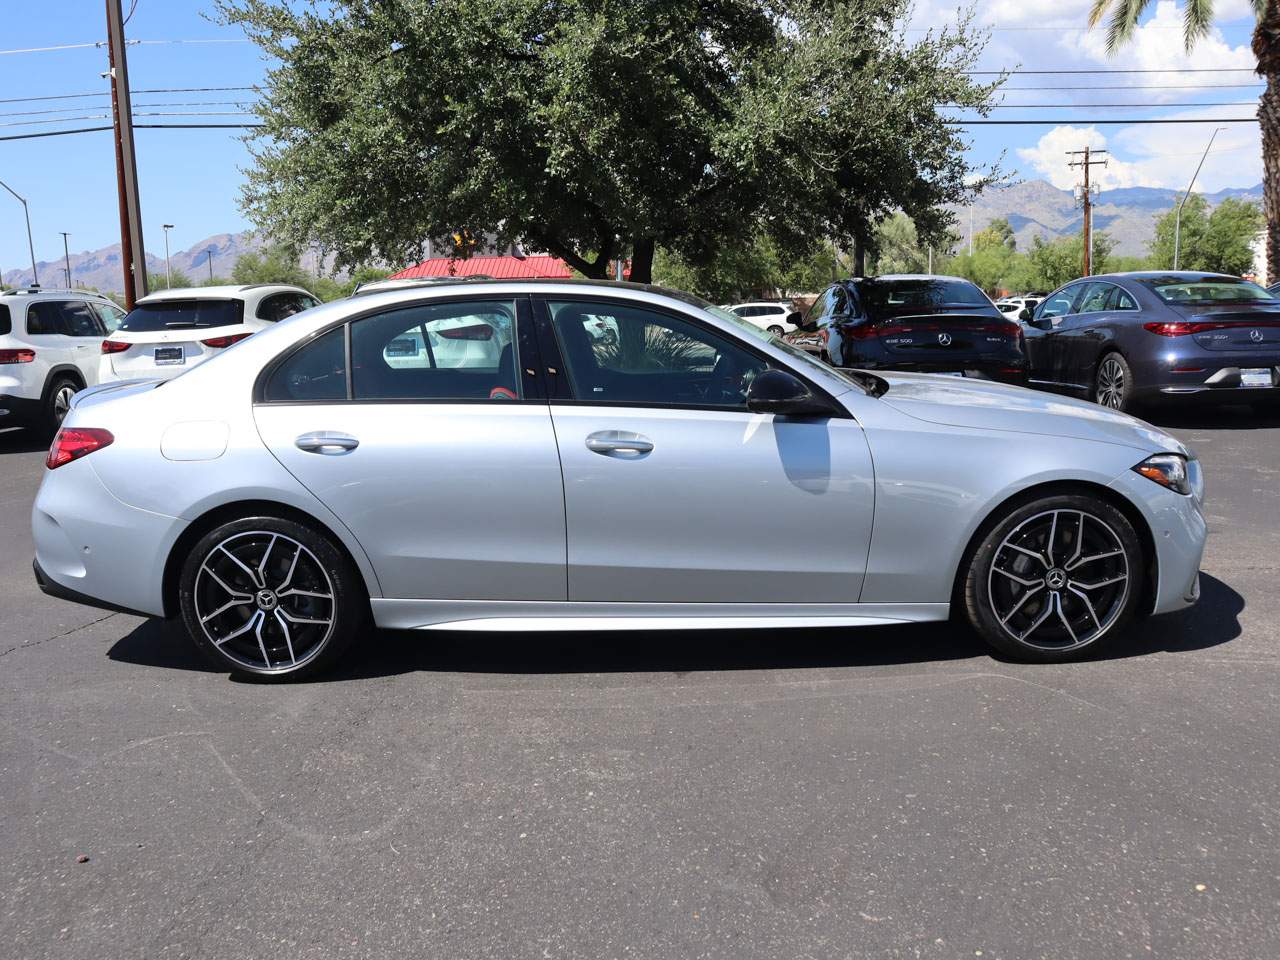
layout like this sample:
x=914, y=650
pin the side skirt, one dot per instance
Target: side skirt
x=556, y=616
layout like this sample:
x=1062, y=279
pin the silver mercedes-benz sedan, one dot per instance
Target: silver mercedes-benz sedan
x=505, y=456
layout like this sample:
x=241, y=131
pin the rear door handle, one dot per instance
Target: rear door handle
x=326, y=442
x=612, y=443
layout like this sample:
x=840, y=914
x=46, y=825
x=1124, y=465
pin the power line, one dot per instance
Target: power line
x=136, y=126
x=107, y=116
x=1086, y=106
x=1150, y=86
x=1076, y=120
x=193, y=103
x=107, y=93
x=132, y=43
x=1018, y=72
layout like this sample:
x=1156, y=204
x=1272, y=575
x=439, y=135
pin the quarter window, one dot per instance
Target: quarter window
x=317, y=371
x=1121, y=300
x=110, y=315
x=437, y=351
x=278, y=306
x=649, y=357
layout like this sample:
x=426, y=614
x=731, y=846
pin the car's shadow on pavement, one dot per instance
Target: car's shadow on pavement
x=1213, y=621
x=17, y=440
x=1227, y=417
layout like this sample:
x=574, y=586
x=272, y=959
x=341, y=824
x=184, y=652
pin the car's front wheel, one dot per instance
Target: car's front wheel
x=272, y=598
x=1055, y=577
x=776, y=330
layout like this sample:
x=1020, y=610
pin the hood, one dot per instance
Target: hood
x=984, y=405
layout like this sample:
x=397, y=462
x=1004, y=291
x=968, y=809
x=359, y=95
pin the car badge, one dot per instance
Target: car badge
x=944, y=339
x=1255, y=336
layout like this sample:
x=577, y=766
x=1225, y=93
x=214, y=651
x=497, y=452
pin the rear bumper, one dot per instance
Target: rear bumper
x=19, y=411
x=980, y=368
x=1213, y=378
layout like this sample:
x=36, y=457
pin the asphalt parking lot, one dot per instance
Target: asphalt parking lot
x=882, y=793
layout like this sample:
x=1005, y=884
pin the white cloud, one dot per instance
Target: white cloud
x=1051, y=159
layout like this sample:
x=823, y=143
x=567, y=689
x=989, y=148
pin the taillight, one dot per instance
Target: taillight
x=72, y=443
x=17, y=356
x=1180, y=328
x=114, y=346
x=225, y=341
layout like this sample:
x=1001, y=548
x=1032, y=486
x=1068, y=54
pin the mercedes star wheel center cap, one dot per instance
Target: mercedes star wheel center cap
x=267, y=600
x=1056, y=578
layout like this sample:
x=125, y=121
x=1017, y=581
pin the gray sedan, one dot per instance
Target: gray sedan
x=503, y=456
x=1125, y=339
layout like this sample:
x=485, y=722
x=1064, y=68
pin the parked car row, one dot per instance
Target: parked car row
x=54, y=343
x=1122, y=340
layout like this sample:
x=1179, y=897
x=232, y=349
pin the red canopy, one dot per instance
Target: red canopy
x=500, y=268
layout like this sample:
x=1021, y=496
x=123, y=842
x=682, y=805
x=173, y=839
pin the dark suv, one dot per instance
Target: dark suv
x=926, y=324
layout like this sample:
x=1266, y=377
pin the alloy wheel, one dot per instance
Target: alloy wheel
x=62, y=401
x=1111, y=383
x=264, y=601
x=1059, y=580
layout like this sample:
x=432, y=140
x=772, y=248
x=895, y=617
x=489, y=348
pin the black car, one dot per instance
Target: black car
x=1124, y=339
x=927, y=324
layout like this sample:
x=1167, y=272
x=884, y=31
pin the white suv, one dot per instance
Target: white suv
x=767, y=315
x=49, y=346
x=170, y=331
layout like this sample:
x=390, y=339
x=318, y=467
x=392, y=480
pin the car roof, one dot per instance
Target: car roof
x=52, y=292
x=1174, y=276
x=906, y=276
x=230, y=291
x=530, y=285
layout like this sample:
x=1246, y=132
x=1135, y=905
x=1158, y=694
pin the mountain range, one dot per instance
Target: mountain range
x=1037, y=208
x=1032, y=207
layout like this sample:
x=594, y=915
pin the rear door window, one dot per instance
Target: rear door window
x=1095, y=298
x=437, y=351
x=161, y=315
x=77, y=320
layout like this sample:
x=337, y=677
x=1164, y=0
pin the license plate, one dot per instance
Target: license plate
x=169, y=355
x=1255, y=377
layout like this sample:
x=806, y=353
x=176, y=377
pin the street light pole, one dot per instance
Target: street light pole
x=168, y=274
x=211, y=264
x=35, y=277
x=1177, y=219
x=66, y=256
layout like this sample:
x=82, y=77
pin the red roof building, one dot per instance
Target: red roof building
x=500, y=268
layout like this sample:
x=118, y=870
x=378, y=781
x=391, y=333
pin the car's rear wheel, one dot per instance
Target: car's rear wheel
x=271, y=598
x=776, y=330
x=1055, y=578
x=1113, y=383
x=57, y=402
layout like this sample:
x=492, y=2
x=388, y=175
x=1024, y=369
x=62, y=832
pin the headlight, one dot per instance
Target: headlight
x=1168, y=470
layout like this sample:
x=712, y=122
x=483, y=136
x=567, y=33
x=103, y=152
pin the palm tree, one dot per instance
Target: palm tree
x=1197, y=19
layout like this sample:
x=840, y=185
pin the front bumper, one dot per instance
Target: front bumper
x=1178, y=530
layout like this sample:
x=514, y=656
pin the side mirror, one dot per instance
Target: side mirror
x=776, y=391
x=1025, y=315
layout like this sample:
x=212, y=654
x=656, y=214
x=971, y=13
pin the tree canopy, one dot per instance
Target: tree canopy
x=594, y=129
x=1220, y=240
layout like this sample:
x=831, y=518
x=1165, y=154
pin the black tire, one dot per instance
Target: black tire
x=288, y=641
x=1065, y=627
x=57, y=401
x=1113, y=382
x=776, y=330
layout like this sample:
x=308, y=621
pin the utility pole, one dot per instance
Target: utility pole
x=1177, y=219
x=1087, y=199
x=35, y=277
x=132, y=254
x=168, y=274
x=210, y=262
x=66, y=256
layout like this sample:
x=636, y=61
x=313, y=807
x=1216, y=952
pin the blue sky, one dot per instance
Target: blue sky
x=191, y=178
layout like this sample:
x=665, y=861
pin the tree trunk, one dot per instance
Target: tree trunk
x=642, y=261
x=1266, y=47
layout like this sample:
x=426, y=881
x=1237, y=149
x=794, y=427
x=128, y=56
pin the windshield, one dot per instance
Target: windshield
x=896, y=296
x=1175, y=289
x=854, y=378
x=182, y=315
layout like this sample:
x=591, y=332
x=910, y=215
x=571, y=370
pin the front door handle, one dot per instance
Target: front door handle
x=326, y=442
x=615, y=443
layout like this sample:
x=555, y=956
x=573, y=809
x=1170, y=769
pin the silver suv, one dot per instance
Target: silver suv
x=50, y=343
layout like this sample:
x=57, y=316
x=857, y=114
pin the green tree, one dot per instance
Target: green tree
x=745, y=269
x=271, y=264
x=598, y=128
x=1220, y=240
x=158, y=280
x=998, y=233
x=897, y=246
x=1052, y=264
x=1197, y=20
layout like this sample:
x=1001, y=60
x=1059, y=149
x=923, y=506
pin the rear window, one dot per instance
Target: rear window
x=6, y=324
x=182, y=315
x=896, y=296
x=1209, y=290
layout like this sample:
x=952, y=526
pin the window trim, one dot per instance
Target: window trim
x=522, y=319
x=551, y=349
